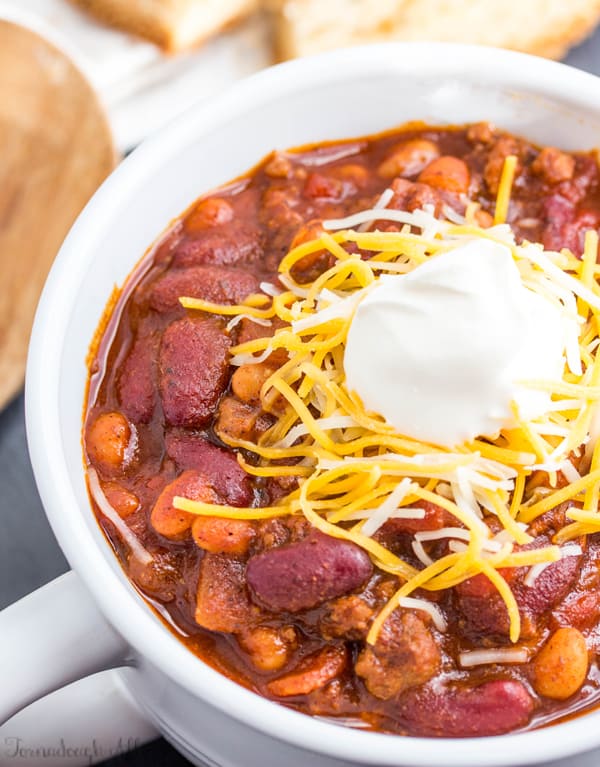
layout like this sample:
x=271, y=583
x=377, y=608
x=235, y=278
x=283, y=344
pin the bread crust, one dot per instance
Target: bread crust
x=167, y=23
x=545, y=39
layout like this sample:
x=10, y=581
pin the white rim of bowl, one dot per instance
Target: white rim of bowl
x=127, y=613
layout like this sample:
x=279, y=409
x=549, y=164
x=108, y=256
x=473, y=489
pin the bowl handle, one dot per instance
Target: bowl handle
x=48, y=640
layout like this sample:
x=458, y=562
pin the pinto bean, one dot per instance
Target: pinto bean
x=353, y=173
x=491, y=708
x=110, y=441
x=193, y=365
x=247, y=381
x=123, y=501
x=312, y=673
x=223, y=536
x=484, y=219
x=302, y=575
x=269, y=648
x=404, y=655
x=561, y=666
x=214, y=211
x=448, y=173
x=409, y=158
x=174, y=523
x=219, y=284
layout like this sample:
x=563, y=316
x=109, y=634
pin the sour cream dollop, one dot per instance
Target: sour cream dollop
x=439, y=352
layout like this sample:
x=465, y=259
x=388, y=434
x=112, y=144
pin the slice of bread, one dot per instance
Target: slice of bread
x=174, y=25
x=543, y=27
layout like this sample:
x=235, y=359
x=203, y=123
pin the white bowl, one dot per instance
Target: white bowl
x=338, y=95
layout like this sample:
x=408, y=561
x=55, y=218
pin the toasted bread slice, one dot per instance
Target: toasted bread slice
x=543, y=27
x=174, y=25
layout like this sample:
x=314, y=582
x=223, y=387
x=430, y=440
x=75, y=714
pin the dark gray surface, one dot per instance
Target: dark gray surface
x=29, y=555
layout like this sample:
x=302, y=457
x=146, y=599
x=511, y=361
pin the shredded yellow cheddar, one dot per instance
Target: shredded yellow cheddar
x=349, y=462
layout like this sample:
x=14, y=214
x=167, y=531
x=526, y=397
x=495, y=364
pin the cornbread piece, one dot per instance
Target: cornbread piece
x=542, y=27
x=172, y=24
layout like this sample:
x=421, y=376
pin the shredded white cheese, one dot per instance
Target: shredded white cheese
x=437, y=616
x=138, y=551
x=470, y=658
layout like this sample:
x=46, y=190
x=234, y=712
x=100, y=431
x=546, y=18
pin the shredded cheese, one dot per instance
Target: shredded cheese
x=470, y=658
x=434, y=612
x=504, y=189
x=355, y=473
x=137, y=550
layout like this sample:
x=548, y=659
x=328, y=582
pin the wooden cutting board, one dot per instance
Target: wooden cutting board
x=55, y=150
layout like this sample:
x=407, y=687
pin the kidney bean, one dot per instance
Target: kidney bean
x=409, y=158
x=110, y=442
x=484, y=611
x=580, y=609
x=223, y=536
x=240, y=243
x=219, y=466
x=435, y=518
x=193, y=365
x=219, y=284
x=404, y=655
x=136, y=384
x=302, y=575
x=550, y=586
x=581, y=606
x=174, y=523
x=561, y=666
x=312, y=673
x=559, y=214
x=491, y=708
